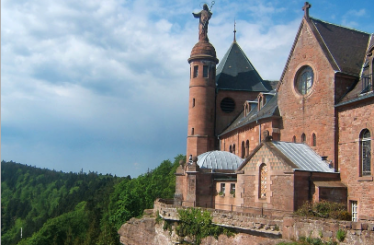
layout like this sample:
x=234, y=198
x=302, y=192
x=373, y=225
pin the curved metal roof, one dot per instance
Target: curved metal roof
x=221, y=160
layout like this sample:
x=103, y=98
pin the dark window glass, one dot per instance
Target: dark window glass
x=205, y=71
x=314, y=143
x=365, y=152
x=195, y=71
x=304, y=79
x=227, y=105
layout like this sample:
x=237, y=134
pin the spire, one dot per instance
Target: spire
x=234, y=31
x=306, y=8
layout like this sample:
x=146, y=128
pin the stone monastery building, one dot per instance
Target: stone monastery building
x=268, y=147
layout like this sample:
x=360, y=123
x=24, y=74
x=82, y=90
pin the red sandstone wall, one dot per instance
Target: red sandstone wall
x=205, y=190
x=201, y=110
x=314, y=112
x=226, y=201
x=249, y=132
x=352, y=120
x=223, y=119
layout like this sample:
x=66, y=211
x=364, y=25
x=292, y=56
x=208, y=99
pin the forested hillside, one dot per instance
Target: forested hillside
x=75, y=208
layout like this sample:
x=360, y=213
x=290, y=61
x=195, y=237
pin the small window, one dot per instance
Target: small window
x=294, y=139
x=205, y=71
x=233, y=148
x=232, y=189
x=193, y=102
x=243, y=149
x=365, y=152
x=247, y=148
x=263, y=181
x=354, y=210
x=303, y=138
x=192, y=131
x=314, y=140
x=222, y=190
x=230, y=149
x=195, y=71
x=227, y=105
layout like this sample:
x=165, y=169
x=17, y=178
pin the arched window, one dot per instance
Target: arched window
x=247, y=148
x=192, y=131
x=314, y=139
x=304, y=79
x=294, y=139
x=263, y=180
x=243, y=149
x=230, y=149
x=233, y=148
x=303, y=138
x=365, y=152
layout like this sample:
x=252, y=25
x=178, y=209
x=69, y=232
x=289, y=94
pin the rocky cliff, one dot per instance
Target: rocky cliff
x=145, y=231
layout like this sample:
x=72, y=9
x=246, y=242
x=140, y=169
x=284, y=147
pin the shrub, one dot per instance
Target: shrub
x=340, y=235
x=324, y=209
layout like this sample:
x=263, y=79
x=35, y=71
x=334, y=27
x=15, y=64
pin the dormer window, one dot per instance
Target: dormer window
x=247, y=108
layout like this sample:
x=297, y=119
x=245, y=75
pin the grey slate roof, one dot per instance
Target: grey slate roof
x=220, y=160
x=302, y=156
x=236, y=72
x=359, y=92
x=343, y=46
x=270, y=109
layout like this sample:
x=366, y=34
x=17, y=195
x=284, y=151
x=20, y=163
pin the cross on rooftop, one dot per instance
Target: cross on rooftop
x=306, y=8
x=234, y=31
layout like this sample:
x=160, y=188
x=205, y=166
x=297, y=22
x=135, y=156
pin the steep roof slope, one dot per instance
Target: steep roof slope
x=344, y=47
x=347, y=47
x=236, y=72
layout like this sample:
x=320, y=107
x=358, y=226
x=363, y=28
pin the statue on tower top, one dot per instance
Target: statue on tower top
x=204, y=16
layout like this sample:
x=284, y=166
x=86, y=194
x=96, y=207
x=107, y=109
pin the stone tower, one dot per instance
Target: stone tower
x=201, y=112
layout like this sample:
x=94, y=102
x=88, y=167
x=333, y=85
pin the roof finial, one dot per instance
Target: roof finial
x=306, y=8
x=234, y=30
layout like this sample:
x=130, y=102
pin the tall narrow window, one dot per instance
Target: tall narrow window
x=354, y=211
x=247, y=148
x=294, y=139
x=230, y=149
x=192, y=131
x=223, y=188
x=232, y=189
x=193, y=102
x=195, y=71
x=365, y=152
x=303, y=138
x=263, y=180
x=243, y=149
x=205, y=71
x=314, y=139
x=233, y=148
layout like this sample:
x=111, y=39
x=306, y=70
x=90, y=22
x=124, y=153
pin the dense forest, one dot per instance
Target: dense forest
x=41, y=206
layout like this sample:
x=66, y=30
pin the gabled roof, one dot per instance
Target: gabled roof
x=236, y=72
x=270, y=109
x=344, y=47
x=300, y=157
x=219, y=160
x=361, y=91
x=347, y=47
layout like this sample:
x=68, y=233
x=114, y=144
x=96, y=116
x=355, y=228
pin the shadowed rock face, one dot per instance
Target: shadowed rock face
x=145, y=231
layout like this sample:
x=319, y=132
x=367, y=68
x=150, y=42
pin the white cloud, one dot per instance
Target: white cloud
x=88, y=82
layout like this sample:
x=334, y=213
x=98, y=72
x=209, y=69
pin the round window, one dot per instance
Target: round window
x=304, y=79
x=227, y=105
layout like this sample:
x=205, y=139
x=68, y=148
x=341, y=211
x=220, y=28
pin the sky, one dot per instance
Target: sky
x=102, y=85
